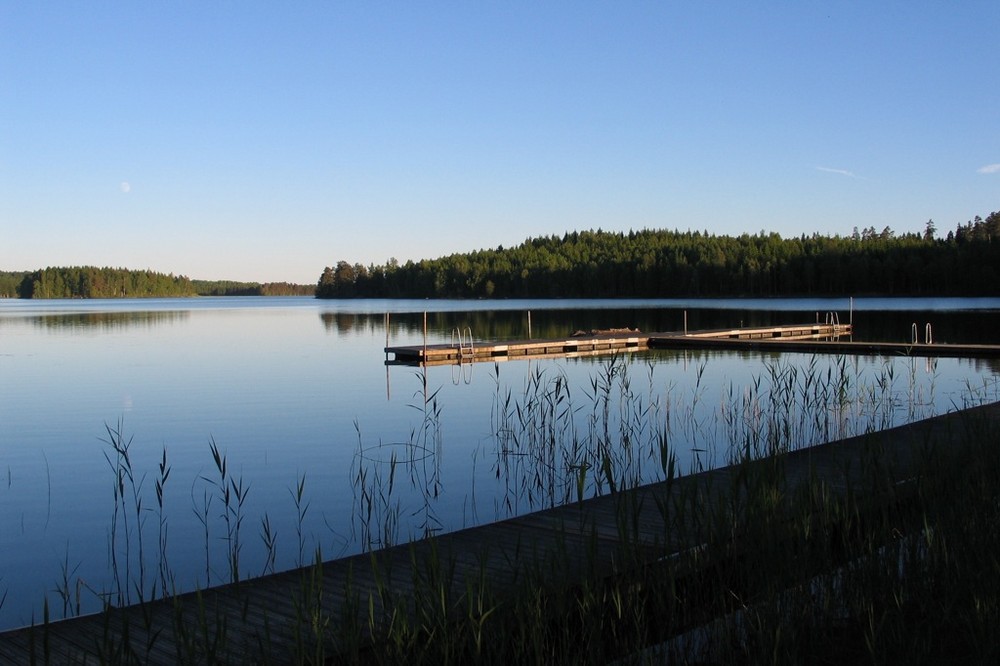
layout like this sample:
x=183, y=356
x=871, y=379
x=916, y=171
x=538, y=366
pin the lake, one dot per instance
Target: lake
x=328, y=448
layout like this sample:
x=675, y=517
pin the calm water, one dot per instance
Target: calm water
x=297, y=392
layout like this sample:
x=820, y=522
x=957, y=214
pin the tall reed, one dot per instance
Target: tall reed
x=377, y=506
x=128, y=514
x=232, y=493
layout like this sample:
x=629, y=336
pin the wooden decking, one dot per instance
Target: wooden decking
x=478, y=351
x=266, y=613
x=848, y=347
x=803, y=338
x=486, y=351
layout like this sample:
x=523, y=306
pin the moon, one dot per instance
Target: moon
x=125, y=187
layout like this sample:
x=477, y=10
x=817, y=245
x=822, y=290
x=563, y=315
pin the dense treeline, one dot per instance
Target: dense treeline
x=231, y=288
x=93, y=282
x=10, y=283
x=657, y=264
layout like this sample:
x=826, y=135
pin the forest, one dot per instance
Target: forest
x=599, y=264
x=663, y=264
x=93, y=282
x=10, y=283
x=231, y=288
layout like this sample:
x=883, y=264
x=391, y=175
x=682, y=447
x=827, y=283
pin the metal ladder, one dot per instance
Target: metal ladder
x=458, y=341
x=928, y=335
x=833, y=319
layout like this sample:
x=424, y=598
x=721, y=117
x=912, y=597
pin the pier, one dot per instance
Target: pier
x=467, y=350
x=271, y=619
x=444, y=354
x=800, y=338
x=846, y=347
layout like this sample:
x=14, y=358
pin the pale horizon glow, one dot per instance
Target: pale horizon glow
x=264, y=141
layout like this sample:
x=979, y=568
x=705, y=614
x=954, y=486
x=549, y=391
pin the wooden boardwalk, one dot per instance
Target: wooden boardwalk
x=266, y=613
x=801, y=338
x=471, y=351
x=847, y=347
x=488, y=351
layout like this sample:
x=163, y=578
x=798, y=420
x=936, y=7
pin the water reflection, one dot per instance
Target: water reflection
x=105, y=321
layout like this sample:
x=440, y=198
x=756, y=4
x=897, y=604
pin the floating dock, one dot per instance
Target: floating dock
x=468, y=350
x=800, y=338
x=846, y=347
x=438, y=354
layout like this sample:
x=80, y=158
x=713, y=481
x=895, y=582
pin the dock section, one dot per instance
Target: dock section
x=799, y=338
x=829, y=346
x=477, y=351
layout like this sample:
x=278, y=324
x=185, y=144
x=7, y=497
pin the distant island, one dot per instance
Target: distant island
x=670, y=264
x=93, y=282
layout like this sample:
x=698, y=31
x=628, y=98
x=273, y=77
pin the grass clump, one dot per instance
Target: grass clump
x=860, y=566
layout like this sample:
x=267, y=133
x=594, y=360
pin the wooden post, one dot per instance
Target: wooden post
x=425, y=336
x=685, y=322
x=529, y=324
x=388, y=396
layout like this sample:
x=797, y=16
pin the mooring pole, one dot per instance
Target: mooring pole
x=685, y=322
x=388, y=396
x=851, y=319
x=425, y=336
x=529, y=324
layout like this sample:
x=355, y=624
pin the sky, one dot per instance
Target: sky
x=263, y=141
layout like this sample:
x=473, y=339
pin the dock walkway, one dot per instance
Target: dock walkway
x=829, y=346
x=801, y=338
x=594, y=343
x=268, y=614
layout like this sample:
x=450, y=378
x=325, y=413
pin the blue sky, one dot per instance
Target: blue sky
x=264, y=141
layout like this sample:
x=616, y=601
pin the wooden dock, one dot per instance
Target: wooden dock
x=830, y=346
x=261, y=620
x=472, y=351
x=800, y=338
x=477, y=351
